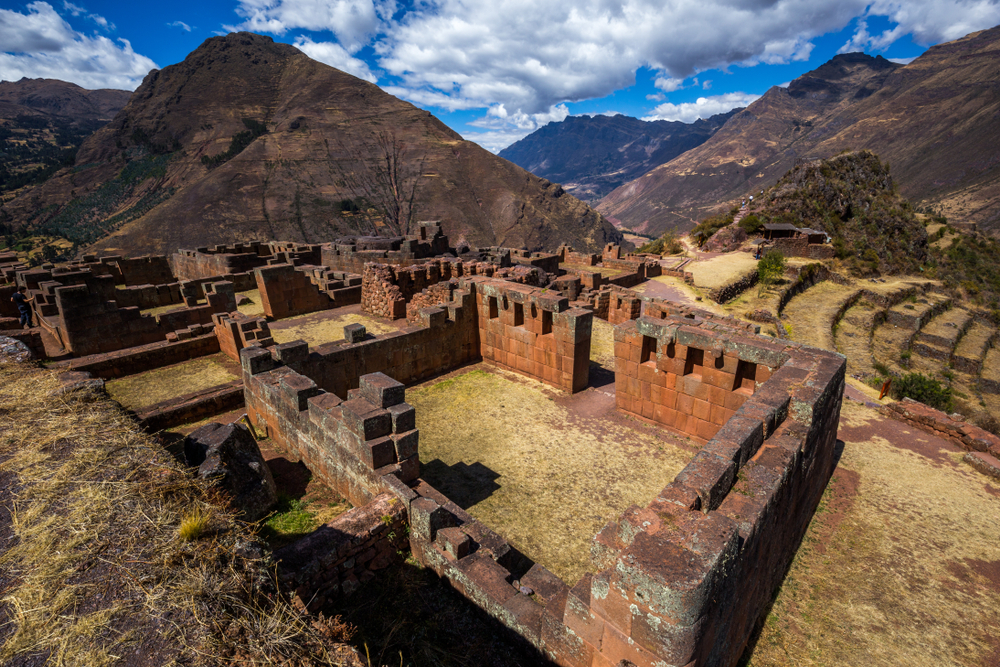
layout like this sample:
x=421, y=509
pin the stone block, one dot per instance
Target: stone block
x=366, y=420
x=711, y=476
x=427, y=517
x=381, y=390
x=453, y=542
x=355, y=333
x=543, y=583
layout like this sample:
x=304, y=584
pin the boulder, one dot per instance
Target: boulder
x=228, y=455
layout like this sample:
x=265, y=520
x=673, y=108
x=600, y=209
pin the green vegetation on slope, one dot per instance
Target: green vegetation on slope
x=240, y=141
x=86, y=219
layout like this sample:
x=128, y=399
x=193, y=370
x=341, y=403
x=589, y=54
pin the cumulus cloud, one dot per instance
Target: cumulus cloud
x=703, y=107
x=40, y=43
x=531, y=56
x=335, y=55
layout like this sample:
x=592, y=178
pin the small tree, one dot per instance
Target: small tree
x=924, y=389
x=769, y=269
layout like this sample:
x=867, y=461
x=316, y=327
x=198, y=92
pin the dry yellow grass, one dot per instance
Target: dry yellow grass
x=161, y=384
x=895, y=567
x=602, y=344
x=543, y=475
x=255, y=307
x=91, y=568
x=722, y=270
x=322, y=327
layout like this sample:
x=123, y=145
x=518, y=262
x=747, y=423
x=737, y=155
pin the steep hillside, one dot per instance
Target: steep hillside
x=248, y=139
x=751, y=151
x=853, y=199
x=43, y=122
x=935, y=121
x=592, y=155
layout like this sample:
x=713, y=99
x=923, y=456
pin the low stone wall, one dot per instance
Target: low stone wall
x=285, y=292
x=194, y=264
x=236, y=331
x=729, y=292
x=965, y=435
x=339, y=557
x=352, y=444
x=435, y=295
x=916, y=321
x=799, y=246
x=386, y=289
x=143, y=357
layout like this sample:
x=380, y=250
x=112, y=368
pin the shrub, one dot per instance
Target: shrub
x=751, y=224
x=770, y=267
x=666, y=244
x=926, y=390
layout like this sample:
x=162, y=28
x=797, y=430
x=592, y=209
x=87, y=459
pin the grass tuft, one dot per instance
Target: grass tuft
x=193, y=525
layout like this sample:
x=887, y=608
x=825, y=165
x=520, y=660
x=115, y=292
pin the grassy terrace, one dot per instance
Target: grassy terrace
x=327, y=326
x=161, y=384
x=605, y=271
x=544, y=469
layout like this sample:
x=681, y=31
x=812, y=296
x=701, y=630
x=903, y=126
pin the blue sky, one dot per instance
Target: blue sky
x=496, y=71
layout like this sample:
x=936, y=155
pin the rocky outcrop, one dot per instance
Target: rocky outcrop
x=229, y=456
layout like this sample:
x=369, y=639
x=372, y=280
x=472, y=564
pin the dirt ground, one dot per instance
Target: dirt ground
x=900, y=565
x=161, y=384
x=327, y=326
x=543, y=469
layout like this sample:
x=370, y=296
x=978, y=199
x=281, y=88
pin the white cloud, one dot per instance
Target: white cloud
x=658, y=97
x=667, y=84
x=40, y=43
x=704, y=107
x=706, y=85
x=903, y=61
x=504, y=128
x=353, y=22
x=531, y=56
x=335, y=55
x=180, y=24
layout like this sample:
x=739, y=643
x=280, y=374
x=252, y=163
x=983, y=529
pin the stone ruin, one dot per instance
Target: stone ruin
x=680, y=581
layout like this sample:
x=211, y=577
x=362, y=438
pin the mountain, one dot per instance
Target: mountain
x=592, y=155
x=248, y=138
x=43, y=122
x=935, y=121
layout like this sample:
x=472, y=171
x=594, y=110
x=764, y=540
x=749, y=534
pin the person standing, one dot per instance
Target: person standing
x=23, y=303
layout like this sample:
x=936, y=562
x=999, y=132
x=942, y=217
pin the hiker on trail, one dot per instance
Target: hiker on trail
x=22, y=301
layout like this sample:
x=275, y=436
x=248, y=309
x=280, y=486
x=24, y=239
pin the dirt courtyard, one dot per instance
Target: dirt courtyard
x=544, y=469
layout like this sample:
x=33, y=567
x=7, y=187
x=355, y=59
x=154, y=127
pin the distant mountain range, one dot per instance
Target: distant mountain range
x=592, y=155
x=43, y=122
x=248, y=138
x=935, y=121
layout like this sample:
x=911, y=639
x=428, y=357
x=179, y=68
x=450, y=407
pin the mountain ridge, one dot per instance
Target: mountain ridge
x=141, y=185
x=934, y=120
x=592, y=155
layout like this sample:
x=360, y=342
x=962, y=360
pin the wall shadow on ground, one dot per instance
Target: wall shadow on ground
x=464, y=484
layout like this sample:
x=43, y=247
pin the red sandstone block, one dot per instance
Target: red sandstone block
x=578, y=616
x=633, y=386
x=717, y=396
x=648, y=372
x=685, y=404
x=718, y=415
x=616, y=647
x=706, y=429
x=644, y=391
x=622, y=349
x=635, y=353
x=615, y=607
x=669, y=399
x=647, y=409
x=632, y=370
x=702, y=410
x=669, y=380
x=734, y=401
x=763, y=373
